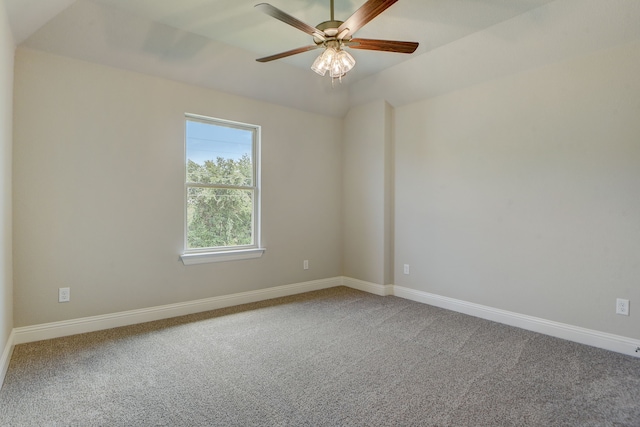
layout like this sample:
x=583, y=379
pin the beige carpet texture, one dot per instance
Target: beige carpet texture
x=337, y=357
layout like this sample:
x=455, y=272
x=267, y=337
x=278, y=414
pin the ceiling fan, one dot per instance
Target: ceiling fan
x=334, y=35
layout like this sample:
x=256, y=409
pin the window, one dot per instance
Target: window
x=222, y=219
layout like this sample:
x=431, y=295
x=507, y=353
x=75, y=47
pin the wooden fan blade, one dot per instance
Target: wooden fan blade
x=287, y=53
x=385, y=45
x=366, y=13
x=288, y=19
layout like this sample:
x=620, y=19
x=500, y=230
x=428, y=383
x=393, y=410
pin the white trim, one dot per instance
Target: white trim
x=206, y=257
x=577, y=334
x=5, y=358
x=580, y=335
x=372, y=288
x=95, y=323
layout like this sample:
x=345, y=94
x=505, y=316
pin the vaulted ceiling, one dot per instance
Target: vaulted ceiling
x=214, y=43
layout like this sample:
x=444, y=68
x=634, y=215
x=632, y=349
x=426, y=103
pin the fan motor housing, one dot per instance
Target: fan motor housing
x=330, y=29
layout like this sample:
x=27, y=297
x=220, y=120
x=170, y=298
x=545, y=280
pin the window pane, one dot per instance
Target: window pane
x=219, y=154
x=219, y=217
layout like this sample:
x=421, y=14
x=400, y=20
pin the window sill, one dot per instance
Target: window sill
x=207, y=257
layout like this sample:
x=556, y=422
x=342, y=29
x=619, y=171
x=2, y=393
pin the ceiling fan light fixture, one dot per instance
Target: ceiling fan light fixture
x=337, y=62
x=323, y=62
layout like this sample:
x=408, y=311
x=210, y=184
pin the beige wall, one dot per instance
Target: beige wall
x=367, y=193
x=6, y=115
x=98, y=191
x=524, y=193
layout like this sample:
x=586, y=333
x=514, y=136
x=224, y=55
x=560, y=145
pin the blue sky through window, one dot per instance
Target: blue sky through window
x=207, y=141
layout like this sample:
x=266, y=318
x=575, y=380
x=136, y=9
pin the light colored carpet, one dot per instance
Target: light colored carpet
x=337, y=357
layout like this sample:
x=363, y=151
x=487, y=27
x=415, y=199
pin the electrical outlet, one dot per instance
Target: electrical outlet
x=406, y=269
x=64, y=294
x=305, y=264
x=622, y=306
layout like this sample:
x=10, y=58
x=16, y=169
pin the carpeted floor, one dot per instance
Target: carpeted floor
x=337, y=357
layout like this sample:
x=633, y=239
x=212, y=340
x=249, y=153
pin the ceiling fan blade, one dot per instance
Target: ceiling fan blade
x=366, y=13
x=288, y=19
x=385, y=45
x=287, y=53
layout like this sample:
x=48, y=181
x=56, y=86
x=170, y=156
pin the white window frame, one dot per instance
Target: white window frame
x=226, y=253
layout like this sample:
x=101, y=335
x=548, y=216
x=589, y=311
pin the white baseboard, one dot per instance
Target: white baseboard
x=5, y=357
x=372, y=288
x=96, y=323
x=577, y=334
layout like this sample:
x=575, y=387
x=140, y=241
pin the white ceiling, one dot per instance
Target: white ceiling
x=237, y=23
x=214, y=43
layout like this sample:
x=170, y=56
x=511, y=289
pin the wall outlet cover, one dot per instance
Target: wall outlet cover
x=622, y=306
x=64, y=294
